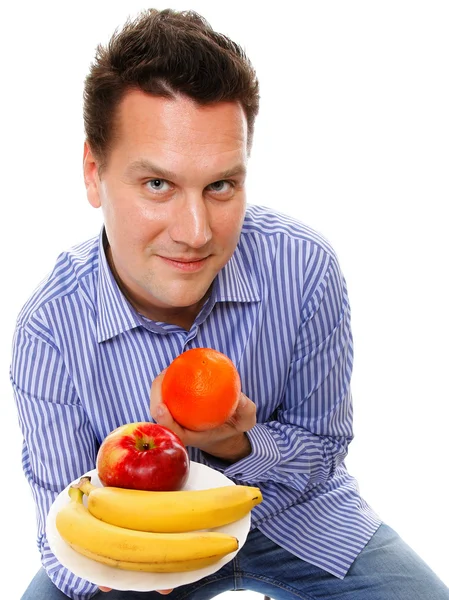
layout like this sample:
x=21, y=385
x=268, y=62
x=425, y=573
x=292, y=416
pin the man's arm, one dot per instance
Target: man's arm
x=312, y=429
x=59, y=444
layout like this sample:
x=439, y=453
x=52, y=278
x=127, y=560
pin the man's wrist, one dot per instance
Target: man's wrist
x=230, y=450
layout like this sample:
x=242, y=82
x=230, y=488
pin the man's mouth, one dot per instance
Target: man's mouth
x=189, y=265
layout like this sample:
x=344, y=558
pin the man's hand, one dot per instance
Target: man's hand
x=227, y=442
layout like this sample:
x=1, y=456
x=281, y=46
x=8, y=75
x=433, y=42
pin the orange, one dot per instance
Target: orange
x=201, y=388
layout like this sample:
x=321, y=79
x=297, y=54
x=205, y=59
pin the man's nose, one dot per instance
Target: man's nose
x=191, y=221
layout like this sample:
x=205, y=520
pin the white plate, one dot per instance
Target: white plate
x=200, y=477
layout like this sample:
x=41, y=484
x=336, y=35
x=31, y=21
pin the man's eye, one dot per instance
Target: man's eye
x=220, y=186
x=158, y=185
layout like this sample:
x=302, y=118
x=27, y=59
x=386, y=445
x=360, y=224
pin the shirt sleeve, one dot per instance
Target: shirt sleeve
x=310, y=433
x=59, y=444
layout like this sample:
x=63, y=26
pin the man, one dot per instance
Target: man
x=182, y=262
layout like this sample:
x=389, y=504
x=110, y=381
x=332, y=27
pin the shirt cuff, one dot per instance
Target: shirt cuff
x=265, y=455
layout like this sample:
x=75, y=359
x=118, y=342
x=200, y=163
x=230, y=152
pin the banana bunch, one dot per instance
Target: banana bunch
x=158, y=532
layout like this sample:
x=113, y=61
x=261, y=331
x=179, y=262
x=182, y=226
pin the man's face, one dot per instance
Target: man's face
x=173, y=199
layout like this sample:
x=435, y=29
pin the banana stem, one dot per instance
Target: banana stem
x=76, y=495
x=85, y=485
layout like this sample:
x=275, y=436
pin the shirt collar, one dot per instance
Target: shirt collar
x=115, y=313
x=234, y=283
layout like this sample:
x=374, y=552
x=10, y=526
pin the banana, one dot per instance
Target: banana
x=157, y=552
x=170, y=512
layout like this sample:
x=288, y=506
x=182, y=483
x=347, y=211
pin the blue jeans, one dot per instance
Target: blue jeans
x=386, y=569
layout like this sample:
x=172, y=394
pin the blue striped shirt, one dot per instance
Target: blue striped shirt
x=84, y=360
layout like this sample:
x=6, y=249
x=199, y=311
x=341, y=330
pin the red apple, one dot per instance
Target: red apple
x=143, y=456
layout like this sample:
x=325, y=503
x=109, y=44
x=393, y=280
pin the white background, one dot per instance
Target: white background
x=352, y=138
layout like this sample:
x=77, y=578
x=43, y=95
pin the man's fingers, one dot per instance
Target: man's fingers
x=104, y=589
x=160, y=412
x=155, y=393
x=244, y=417
x=164, y=591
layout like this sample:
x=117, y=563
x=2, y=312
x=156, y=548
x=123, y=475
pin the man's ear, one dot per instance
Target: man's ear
x=91, y=178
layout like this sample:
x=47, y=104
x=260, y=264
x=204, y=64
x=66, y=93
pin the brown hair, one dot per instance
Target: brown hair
x=165, y=53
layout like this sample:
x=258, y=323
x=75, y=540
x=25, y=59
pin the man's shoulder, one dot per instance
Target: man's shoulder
x=263, y=222
x=68, y=276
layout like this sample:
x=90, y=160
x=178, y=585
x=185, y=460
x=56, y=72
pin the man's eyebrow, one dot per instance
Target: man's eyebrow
x=237, y=170
x=144, y=165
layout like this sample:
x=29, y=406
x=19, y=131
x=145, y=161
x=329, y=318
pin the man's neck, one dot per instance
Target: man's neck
x=181, y=316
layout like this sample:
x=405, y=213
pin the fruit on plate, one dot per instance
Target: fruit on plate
x=138, y=550
x=143, y=456
x=184, y=510
x=201, y=388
